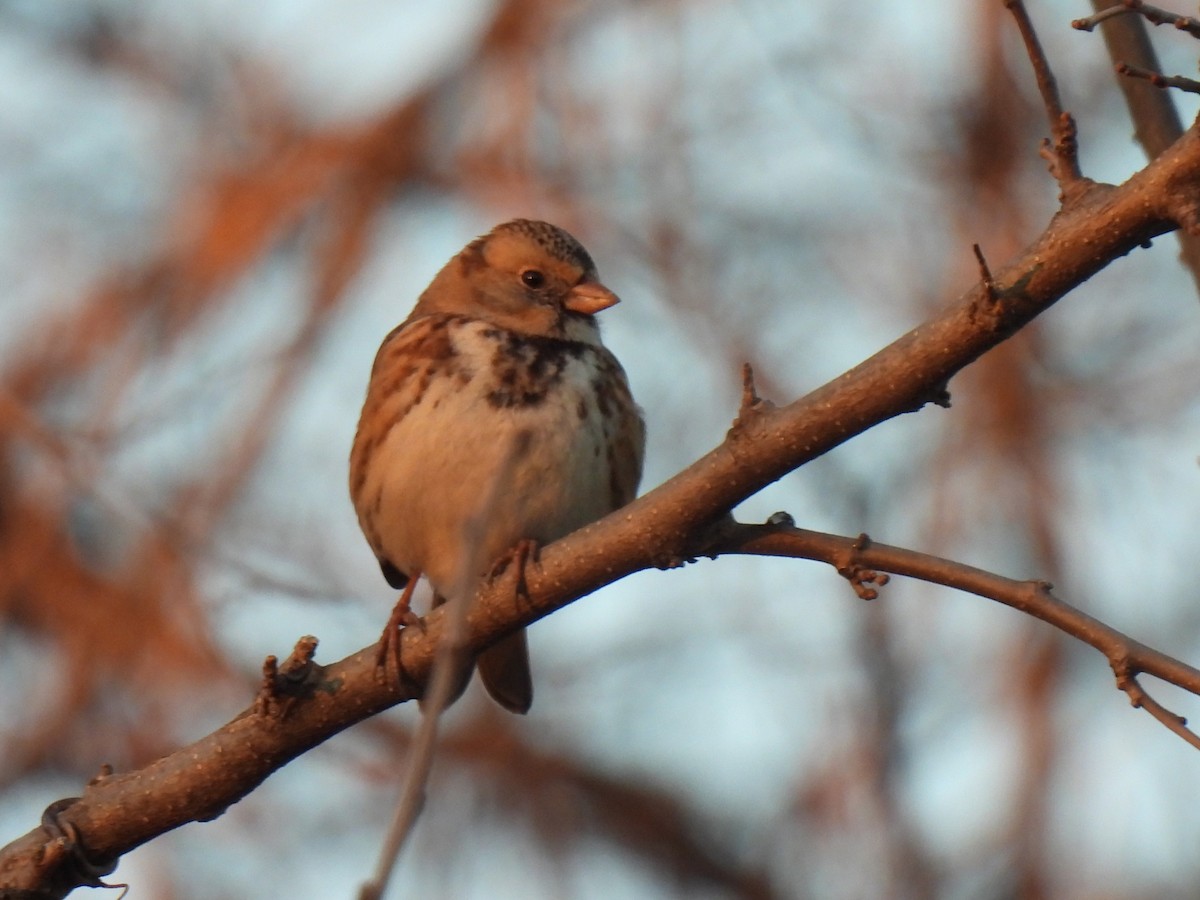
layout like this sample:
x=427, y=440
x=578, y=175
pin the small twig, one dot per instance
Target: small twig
x=1151, y=14
x=1156, y=16
x=1141, y=699
x=1159, y=80
x=1047, y=85
x=1063, y=151
x=1090, y=22
x=1156, y=121
x=445, y=676
x=1127, y=657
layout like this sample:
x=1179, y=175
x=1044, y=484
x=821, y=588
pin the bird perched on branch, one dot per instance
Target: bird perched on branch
x=501, y=357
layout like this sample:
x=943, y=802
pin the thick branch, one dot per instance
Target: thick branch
x=663, y=528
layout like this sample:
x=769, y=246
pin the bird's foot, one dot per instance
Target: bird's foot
x=518, y=557
x=387, y=659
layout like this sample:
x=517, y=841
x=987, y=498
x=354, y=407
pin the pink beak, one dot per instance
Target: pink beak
x=589, y=297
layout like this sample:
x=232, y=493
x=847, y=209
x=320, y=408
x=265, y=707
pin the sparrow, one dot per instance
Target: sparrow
x=498, y=373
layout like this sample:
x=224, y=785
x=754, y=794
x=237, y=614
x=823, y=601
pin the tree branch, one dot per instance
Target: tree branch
x=1063, y=151
x=683, y=518
x=861, y=560
x=1187, y=85
x=1155, y=118
x=1151, y=14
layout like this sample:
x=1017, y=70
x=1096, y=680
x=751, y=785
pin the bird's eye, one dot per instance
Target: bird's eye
x=533, y=278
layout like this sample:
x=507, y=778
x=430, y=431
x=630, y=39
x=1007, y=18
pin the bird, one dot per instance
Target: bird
x=497, y=374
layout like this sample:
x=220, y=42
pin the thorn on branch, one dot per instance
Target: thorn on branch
x=985, y=275
x=751, y=405
x=282, y=685
x=989, y=308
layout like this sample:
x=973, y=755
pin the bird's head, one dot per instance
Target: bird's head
x=526, y=276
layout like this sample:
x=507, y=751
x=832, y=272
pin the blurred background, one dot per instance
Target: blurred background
x=211, y=214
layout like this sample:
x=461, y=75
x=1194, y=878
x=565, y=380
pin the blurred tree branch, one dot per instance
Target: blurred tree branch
x=1155, y=119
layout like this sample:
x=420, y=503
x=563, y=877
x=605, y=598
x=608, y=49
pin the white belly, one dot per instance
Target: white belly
x=436, y=468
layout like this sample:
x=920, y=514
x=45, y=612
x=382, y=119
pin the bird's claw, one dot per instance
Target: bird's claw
x=387, y=658
x=519, y=557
